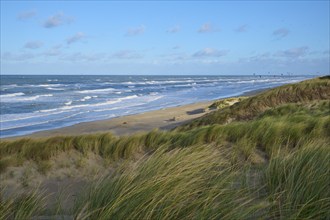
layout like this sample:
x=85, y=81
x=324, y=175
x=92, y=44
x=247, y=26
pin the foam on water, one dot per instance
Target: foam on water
x=97, y=90
x=85, y=98
x=33, y=103
x=67, y=103
x=19, y=97
x=11, y=95
x=6, y=87
x=56, y=89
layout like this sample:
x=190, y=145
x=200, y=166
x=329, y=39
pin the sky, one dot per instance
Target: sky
x=165, y=37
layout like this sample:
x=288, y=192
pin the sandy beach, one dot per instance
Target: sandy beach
x=163, y=119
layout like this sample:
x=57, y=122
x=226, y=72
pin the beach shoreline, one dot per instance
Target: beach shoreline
x=163, y=119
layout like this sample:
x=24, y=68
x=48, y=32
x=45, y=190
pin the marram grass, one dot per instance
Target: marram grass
x=298, y=183
x=23, y=206
x=266, y=157
x=248, y=109
x=190, y=183
x=273, y=129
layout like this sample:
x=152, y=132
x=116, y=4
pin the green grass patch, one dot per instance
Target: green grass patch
x=266, y=157
x=189, y=183
x=299, y=183
x=248, y=109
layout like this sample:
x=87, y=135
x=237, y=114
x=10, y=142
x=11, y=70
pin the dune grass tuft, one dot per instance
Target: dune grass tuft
x=248, y=109
x=299, y=183
x=189, y=183
x=23, y=206
x=285, y=126
x=266, y=157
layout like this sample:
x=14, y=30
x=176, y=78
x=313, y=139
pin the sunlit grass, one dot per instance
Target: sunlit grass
x=275, y=128
x=23, y=206
x=269, y=161
x=298, y=183
x=247, y=109
x=190, y=183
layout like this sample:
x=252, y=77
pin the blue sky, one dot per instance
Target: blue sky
x=167, y=37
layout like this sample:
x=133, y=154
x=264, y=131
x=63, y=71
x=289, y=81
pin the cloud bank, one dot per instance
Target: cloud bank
x=294, y=53
x=17, y=57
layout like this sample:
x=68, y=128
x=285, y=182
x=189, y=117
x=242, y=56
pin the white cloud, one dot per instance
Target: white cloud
x=135, y=31
x=126, y=54
x=210, y=52
x=242, y=28
x=279, y=56
x=207, y=28
x=76, y=37
x=25, y=15
x=78, y=57
x=174, y=29
x=281, y=33
x=52, y=52
x=57, y=20
x=58, y=46
x=33, y=45
x=293, y=52
x=17, y=56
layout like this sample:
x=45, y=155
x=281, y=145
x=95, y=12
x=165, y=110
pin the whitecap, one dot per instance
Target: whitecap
x=47, y=85
x=5, y=87
x=21, y=98
x=47, y=110
x=85, y=98
x=12, y=95
x=96, y=90
x=58, y=89
x=108, y=102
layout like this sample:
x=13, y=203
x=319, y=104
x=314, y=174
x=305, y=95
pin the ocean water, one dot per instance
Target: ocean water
x=35, y=103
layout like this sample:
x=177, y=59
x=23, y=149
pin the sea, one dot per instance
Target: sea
x=33, y=103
